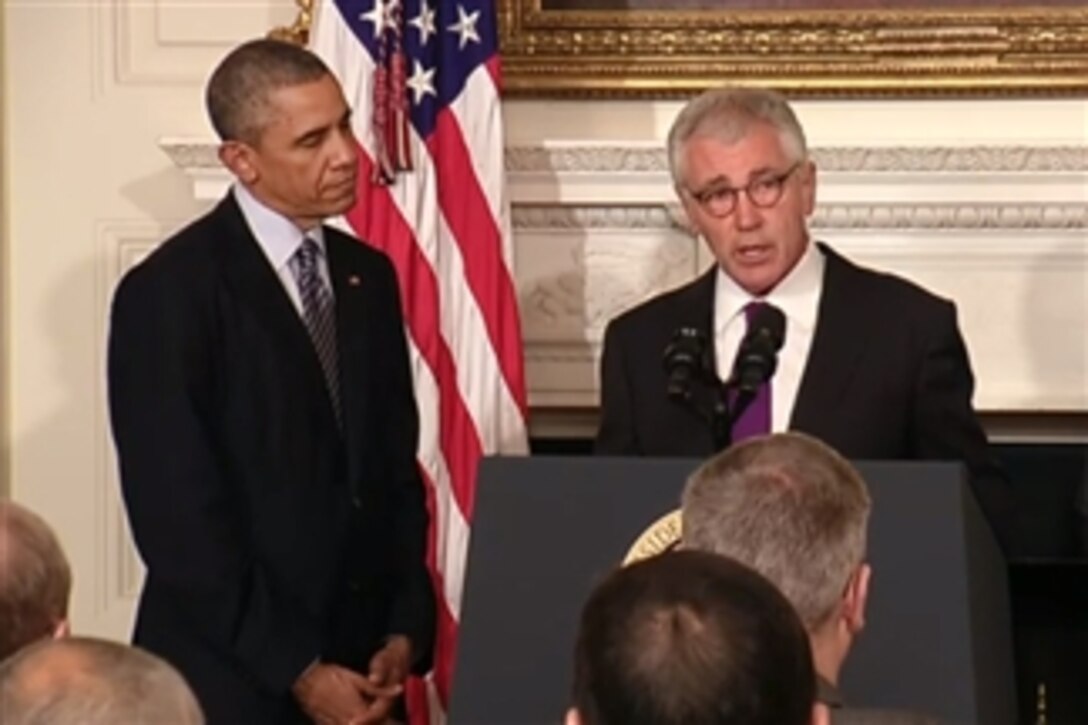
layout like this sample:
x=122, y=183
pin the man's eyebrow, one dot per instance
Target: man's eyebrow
x=716, y=181
x=763, y=171
x=312, y=134
x=723, y=180
x=315, y=133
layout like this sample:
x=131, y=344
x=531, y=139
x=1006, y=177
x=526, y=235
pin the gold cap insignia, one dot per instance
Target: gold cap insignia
x=661, y=536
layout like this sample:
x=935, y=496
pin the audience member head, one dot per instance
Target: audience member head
x=694, y=638
x=35, y=580
x=797, y=512
x=740, y=166
x=93, y=682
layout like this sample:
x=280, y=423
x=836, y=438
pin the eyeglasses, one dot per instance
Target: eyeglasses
x=764, y=192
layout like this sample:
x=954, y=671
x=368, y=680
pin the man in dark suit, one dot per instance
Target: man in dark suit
x=691, y=637
x=798, y=513
x=872, y=364
x=266, y=427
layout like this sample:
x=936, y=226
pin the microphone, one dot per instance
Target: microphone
x=685, y=361
x=757, y=357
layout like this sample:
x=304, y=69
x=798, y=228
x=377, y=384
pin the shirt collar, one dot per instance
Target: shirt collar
x=797, y=295
x=277, y=235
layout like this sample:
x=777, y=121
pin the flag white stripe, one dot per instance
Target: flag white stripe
x=452, y=531
x=480, y=122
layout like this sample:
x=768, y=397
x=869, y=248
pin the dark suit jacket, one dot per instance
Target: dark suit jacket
x=887, y=377
x=270, y=537
x=827, y=694
x=851, y=716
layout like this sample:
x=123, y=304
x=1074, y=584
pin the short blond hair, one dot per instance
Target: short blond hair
x=36, y=580
x=788, y=506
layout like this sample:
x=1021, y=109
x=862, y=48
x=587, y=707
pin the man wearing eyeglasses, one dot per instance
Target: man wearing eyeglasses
x=871, y=364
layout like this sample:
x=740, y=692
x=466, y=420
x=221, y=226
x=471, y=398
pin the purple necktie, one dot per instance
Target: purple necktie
x=756, y=419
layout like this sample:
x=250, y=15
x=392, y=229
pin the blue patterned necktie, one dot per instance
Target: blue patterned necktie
x=319, y=315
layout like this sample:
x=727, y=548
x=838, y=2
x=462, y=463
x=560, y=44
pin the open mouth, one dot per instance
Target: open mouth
x=754, y=253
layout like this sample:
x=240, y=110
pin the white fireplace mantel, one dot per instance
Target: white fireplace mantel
x=1002, y=230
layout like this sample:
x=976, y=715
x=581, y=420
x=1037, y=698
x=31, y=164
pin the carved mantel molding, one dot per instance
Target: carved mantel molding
x=999, y=229
x=621, y=186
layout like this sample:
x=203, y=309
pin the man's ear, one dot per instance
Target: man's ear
x=856, y=597
x=62, y=629
x=572, y=718
x=239, y=158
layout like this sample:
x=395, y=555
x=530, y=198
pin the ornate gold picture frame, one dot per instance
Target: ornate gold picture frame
x=802, y=47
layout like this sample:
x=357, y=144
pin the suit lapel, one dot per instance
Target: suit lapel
x=702, y=301
x=837, y=346
x=254, y=281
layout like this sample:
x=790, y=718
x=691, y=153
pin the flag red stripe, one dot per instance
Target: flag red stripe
x=446, y=649
x=471, y=223
x=415, y=697
x=494, y=69
x=445, y=623
x=377, y=220
x=416, y=691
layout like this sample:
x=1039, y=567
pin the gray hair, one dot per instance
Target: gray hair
x=788, y=506
x=36, y=581
x=93, y=682
x=728, y=114
x=237, y=96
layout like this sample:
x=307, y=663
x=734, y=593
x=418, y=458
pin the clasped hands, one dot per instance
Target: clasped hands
x=334, y=695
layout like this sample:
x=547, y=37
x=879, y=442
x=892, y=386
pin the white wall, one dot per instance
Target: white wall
x=91, y=88
x=5, y=306
x=827, y=123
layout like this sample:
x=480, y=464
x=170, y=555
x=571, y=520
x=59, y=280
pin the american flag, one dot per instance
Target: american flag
x=445, y=223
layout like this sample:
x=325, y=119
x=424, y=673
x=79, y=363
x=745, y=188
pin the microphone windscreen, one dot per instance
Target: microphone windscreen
x=768, y=320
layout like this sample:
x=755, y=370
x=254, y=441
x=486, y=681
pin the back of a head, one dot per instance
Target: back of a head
x=93, y=682
x=690, y=638
x=237, y=95
x=36, y=579
x=788, y=506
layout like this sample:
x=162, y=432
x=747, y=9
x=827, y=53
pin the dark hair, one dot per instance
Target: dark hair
x=691, y=638
x=238, y=90
x=36, y=581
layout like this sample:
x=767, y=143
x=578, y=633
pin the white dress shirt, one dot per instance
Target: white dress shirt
x=798, y=296
x=279, y=239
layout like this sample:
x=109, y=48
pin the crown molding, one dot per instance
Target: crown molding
x=647, y=157
x=651, y=158
x=858, y=216
x=626, y=186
